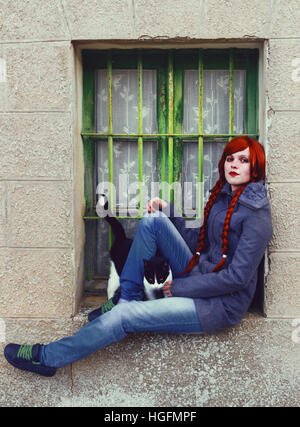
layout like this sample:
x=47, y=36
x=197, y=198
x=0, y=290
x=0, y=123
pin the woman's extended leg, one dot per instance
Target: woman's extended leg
x=167, y=315
x=155, y=231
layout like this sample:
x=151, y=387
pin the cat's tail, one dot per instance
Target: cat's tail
x=102, y=209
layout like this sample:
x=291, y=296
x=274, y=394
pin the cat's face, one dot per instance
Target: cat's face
x=156, y=272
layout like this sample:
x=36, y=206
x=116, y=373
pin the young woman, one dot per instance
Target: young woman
x=214, y=267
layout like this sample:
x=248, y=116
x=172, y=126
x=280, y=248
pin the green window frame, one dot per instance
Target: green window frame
x=170, y=66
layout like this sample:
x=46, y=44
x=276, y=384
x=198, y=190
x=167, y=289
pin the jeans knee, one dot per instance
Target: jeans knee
x=114, y=322
x=127, y=313
x=149, y=219
x=146, y=222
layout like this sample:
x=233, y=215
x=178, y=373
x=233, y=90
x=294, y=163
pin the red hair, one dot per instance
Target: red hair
x=257, y=172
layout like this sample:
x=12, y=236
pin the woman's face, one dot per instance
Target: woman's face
x=237, y=168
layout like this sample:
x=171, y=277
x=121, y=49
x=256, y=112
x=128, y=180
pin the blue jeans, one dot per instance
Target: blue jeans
x=155, y=231
x=166, y=315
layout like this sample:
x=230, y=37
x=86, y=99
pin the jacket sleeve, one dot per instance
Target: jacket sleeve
x=257, y=231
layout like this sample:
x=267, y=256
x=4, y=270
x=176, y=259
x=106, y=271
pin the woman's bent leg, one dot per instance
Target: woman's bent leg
x=167, y=315
x=155, y=231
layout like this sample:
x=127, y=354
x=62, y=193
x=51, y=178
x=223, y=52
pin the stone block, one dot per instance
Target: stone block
x=3, y=77
x=32, y=20
x=283, y=286
x=3, y=216
x=195, y=19
x=285, y=206
x=96, y=20
x=36, y=283
x=170, y=19
x=284, y=18
x=38, y=77
x=283, y=79
x=40, y=214
x=283, y=152
x=36, y=145
x=216, y=19
x=250, y=19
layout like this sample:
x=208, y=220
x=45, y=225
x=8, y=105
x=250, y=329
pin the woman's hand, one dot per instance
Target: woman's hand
x=167, y=287
x=156, y=203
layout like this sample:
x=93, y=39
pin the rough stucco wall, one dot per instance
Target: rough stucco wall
x=37, y=275
x=38, y=107
x=32, y=20
x=283, y=134
x=41, y=205
x=194, y=19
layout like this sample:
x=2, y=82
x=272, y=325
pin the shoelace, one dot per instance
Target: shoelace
x=25, y=352
x=107, y=306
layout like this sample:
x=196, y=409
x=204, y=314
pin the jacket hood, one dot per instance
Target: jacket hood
x=254, y=196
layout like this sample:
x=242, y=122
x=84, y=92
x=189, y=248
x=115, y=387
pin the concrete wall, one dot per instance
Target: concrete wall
x=41, y=163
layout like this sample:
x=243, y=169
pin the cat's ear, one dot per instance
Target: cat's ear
x=145, y=262
x=166, y=262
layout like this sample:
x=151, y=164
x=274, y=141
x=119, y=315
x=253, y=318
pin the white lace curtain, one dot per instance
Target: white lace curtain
x=125, y=121
x=215, y=120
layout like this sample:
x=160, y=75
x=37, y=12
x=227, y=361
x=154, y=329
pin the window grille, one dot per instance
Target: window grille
x=169, y=113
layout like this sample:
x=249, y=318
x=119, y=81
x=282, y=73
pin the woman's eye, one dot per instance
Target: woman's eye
x=229, y=159
x=245, y=160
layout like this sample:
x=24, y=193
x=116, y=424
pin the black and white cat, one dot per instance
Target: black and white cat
x=157, y=270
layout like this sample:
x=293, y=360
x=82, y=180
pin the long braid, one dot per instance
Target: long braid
x=227, y=220
x=200, y=245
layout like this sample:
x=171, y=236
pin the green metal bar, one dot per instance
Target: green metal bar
x=110, y=141
x=88, y=118
x=178, y=120
x=200, y=139
x=252, y=88
x=140, y=131
x=170, y=124
x=162, y=123
x=157, y=135
x=231, y=93
x=110, y=130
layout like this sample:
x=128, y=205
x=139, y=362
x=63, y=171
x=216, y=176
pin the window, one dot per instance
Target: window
x=156, y=122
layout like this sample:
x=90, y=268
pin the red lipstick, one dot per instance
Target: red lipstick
x=233, y=174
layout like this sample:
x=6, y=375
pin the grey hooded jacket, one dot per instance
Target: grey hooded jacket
x=223, y=298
